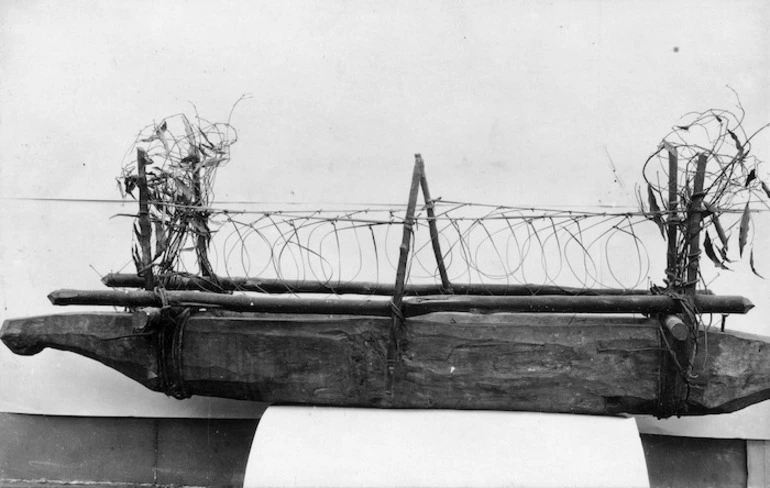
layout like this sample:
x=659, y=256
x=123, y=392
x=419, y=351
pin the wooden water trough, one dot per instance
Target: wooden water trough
x=548, y=362
x=545, y=349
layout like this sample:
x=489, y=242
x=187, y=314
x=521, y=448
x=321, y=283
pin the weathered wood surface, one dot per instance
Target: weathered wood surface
x=536, y=362
x=412, y=306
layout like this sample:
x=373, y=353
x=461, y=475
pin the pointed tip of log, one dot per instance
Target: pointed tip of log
x=747, y=305
x=62, y=297
x=106, y=279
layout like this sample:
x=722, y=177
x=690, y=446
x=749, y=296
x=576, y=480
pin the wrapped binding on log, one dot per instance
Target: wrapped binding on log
x=169, y=344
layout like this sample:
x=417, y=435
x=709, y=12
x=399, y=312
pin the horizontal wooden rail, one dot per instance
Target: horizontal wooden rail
x=652, y=304
x=359, y=287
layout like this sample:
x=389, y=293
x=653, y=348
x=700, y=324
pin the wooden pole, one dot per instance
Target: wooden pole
x=694, y=221
x=649, y=304
x=260, y=285
x=235, y=303
x=398, y=323
x=407, y=234
x=201, y=217
x=673, y=216
x=572, y=304
x=678, y=360
x=429, y=205
x=145, y=228
x=676, y=326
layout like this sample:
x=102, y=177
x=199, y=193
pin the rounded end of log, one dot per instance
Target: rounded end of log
x=13, y=337
x=676, y=326
x=145, y=318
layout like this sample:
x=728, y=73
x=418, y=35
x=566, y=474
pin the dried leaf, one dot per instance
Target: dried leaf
x=766, y=189
x=738, y=144
x=130, y=184
x=161, y=242
x=206, y=138
x=751, y=263
x=199, y=228
x=744, y=229
x=191, y=159
x=709, y=248
x=686, y=193
x=137, y=259
x=189, y=131
x=752, y=176
x=213, y=161
x=723, y=253
x=718, y=226
x=193, y=149
x=186, y=190
x=720, y=233
x=655, y=209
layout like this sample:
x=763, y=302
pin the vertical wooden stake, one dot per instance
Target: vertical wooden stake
x=677, y=361
x=673, y=216
x=202, y=240
x=445, y=284
x=145, y=228
x=403, y=257
x=397, y=329
x=694, y=221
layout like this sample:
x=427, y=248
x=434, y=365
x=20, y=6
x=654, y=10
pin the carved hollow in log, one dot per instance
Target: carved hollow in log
x=537, y=362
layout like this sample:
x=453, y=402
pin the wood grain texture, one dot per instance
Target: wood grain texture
x=503, y=361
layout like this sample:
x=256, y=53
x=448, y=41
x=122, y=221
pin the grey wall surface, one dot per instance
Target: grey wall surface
x=38, y=450
x=192, y=452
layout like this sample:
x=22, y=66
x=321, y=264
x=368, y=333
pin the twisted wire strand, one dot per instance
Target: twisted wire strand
x=493, y=246
x=480, y=243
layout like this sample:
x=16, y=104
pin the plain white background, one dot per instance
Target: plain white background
x=429, y=448
x=509, y=102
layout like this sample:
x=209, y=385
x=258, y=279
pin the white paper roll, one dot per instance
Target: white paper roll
x=335, y=447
